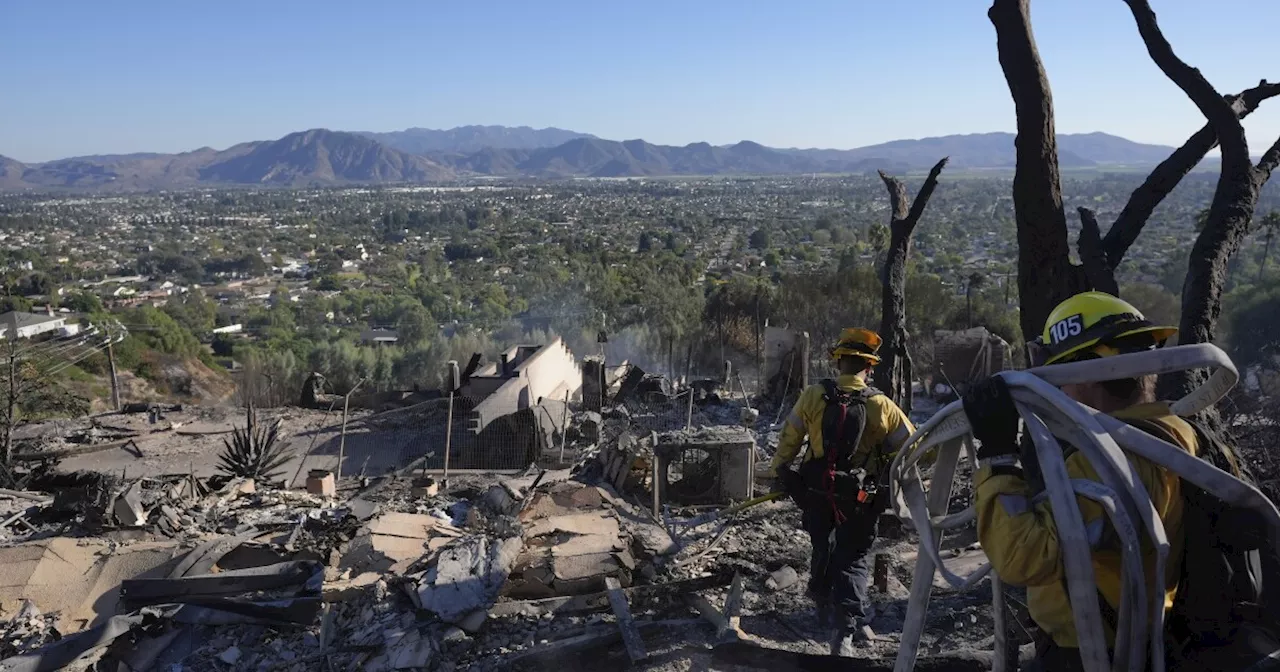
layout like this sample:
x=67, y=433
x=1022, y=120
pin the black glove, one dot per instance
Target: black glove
x=790, y=482
x=993, y=417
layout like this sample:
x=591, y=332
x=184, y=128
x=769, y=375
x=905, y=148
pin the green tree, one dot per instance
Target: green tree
x=194, y=311
x=157, y=330
x=415, y=325
x=1157, y=303
x=84, y=303
x=759, y=239
x=1253, y=326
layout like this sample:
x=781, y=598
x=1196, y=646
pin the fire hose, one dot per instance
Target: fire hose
x=1051, y=416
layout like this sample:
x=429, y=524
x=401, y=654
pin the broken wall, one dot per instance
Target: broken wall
x=969, y=355
x=548, y=373
x=786, y=361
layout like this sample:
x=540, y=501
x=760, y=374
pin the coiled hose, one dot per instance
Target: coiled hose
x=1051, y=416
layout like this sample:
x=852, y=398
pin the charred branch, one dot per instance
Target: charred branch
x=1270, y=159
x=1216, y=109
x=893, y=376
x=1166, y=176
x=1045, y=273
x=1234, y=199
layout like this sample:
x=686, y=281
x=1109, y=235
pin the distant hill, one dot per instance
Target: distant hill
x=996, y=150
x=593, y=157
x=470, y=139
x=315, y=157
x=323, y=157
x=11, y=172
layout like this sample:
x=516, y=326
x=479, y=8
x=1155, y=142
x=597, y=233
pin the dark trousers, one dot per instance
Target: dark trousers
x=840, y=567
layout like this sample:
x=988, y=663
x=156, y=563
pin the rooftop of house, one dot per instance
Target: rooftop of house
x=26, y=319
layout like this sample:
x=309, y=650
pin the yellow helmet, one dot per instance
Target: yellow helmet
x=1100, y=325
x=857, y=342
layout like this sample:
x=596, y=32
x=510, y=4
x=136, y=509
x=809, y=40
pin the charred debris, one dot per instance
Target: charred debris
x=614, y=542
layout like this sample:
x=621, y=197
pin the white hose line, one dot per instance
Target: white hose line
x=1073, y=544
x=1196, y=471
x=1154, y=362
x=1131, y=621
x=927, y=560
x=999, y=658
x=1075, y=424
x=951, y=422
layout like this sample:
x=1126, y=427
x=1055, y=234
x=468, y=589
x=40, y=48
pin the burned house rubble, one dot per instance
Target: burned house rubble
x=618, y=541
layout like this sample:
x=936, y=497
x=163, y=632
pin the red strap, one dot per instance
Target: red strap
x=830, y=479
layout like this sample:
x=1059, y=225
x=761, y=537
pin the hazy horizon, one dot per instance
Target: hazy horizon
x=156, y=77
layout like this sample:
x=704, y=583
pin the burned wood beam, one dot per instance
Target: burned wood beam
x=583, y=604
x=559, y=653
x=746, y=654
x=1097, y=266
x=1162, y=180
x=622, y=610
x=708, y=611
x=733, y=609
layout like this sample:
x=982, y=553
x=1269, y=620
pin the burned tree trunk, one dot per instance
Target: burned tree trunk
x=893, y=376
x=1234, y=199
x=1045, y=273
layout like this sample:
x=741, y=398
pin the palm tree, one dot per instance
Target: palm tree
x=1271, y=224
x=976, y=281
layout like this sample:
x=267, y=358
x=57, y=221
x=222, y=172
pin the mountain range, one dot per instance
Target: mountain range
x=320, y=157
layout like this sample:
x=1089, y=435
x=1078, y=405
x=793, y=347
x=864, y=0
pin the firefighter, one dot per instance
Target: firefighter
x=853, y=432
x=1019, y=537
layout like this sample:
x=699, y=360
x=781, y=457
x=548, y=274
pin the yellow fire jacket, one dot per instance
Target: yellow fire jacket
x=1022, y=542
x=887, y=428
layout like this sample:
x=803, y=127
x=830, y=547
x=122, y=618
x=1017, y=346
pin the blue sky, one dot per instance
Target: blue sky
x=89, y=77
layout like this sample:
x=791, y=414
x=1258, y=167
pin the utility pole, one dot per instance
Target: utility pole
x=759, y=283
x=11, y=396
x=115, y=381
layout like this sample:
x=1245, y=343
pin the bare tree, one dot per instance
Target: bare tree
x=893, y=376
x=1234, y=199
x=1046, y=275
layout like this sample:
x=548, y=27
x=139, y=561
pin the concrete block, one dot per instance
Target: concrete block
x=425, y=487
x=393, y=541
x=351, y=589
x=321, y=482
x=128, y=507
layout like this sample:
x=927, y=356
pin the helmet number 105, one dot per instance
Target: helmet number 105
x=1064, y=329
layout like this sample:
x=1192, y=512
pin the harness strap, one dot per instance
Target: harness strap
x=830, y=476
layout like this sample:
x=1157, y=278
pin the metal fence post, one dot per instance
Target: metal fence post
x=342, y=442
x=564, y=425
x=448, y=442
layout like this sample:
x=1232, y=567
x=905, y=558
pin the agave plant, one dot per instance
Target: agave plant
x=254, y=451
